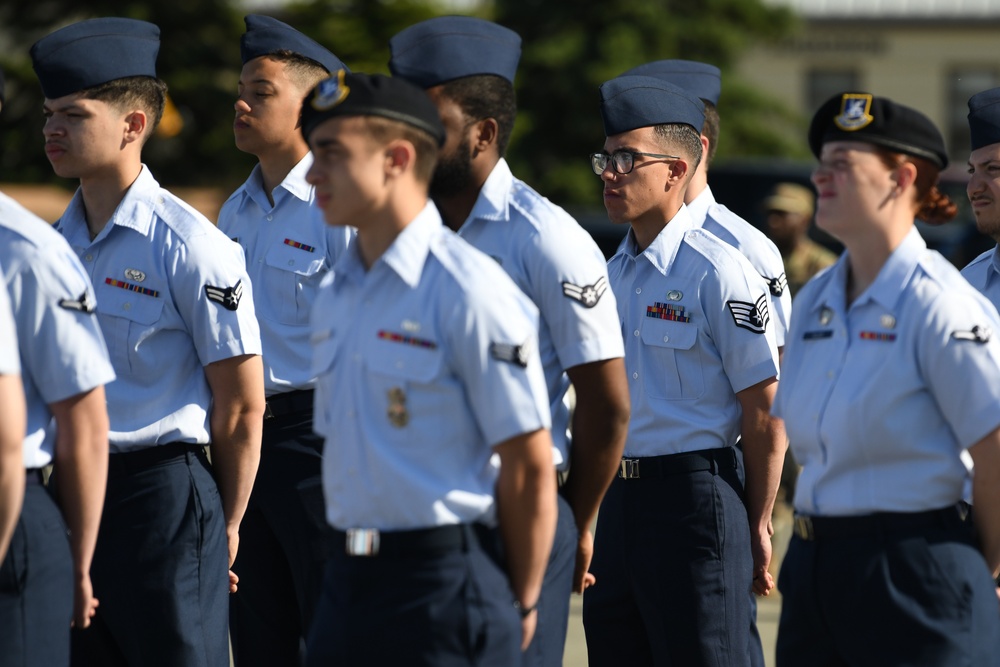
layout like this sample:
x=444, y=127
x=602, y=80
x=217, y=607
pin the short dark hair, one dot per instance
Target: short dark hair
x=486, y=96
x=144, y=92
x=384, y=130
x=711, y=130
x=305, y=72
x=681, y=139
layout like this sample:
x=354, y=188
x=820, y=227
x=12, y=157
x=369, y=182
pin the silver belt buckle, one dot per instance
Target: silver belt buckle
x=362, y=542
x=803, y=527
x=629, y=469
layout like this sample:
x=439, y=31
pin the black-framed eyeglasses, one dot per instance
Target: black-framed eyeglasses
x=621, y=161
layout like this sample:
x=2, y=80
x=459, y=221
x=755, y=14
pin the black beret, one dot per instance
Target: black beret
x=984, y=118
x=630, y=102
x=702, y=80
x=266, y=35
x=356, y=94
x=89, y=53
x=446, y=48
x=880, y=121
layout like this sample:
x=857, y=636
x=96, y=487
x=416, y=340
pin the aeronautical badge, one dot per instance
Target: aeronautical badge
x=229, y=297
x=135, y=275
x=750, y=316
x=887, y=321
x=854, y=108
x=675, y=295
x=331, y=92
x=83, y=304
x=979, y=334
x=588, y=295
x=512, y=354
x=398, y=415
x=778, y=285
x=825, y=315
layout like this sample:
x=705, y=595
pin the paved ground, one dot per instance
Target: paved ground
x=768, y=609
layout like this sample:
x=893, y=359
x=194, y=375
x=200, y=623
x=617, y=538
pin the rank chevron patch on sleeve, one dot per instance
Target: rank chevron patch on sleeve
x=588, y=295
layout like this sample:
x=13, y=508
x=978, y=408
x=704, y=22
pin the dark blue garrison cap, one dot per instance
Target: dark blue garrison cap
x=880, y=121
x=89, y=53
x=266, y=35
x=630, y=102
x=700, y=79
x=446, y=48
x=984, y=118
x=356, y=94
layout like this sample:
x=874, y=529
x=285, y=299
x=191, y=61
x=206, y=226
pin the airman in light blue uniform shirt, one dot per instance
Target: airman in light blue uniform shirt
x=168, y=285
x=289, y=249
x=389, y=383
x=9, y=360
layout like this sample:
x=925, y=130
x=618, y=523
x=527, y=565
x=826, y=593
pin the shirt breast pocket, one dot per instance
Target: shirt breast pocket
x=291, y=278
x=407, y=387
x=127, y=320
x=672, y=362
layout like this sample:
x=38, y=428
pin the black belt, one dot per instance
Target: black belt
x=289, y=403
x=881, y=523
x=658, y=467
x=33, y=476
x=126, y=462
x=397, y=543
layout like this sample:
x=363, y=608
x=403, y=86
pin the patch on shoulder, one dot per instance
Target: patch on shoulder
x=750, y=316
x=83, y=303
x=588, y=295
x=229, y=297
x=777, y=285
x=978, y=334
x=512, y=354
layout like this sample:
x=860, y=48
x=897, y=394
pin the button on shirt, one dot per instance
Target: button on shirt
x=881, y=397
x=559, y=266
x=172, y=297
x=697, y=326
x=288, y=248
x=424, y=363
x=753, y=244
x=63, y=351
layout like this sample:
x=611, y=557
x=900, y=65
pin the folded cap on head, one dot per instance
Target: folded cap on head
x=93, y=52
x=630, y=102
x=790, y=198
x=984, y=118
x=702, y=80
x=880, y=121
x=355, y=94
x=446, y=48
x=266, y=35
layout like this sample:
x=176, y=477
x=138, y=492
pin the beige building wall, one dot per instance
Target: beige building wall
x=933, y=66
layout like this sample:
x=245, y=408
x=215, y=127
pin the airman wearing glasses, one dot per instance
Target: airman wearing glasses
x=680, y=539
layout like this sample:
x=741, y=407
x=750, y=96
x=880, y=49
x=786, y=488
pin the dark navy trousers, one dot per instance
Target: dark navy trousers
x=673, y=567
x=160, y=568
x=36, y=587
x=284, y=545
x=920, y=598
x=445, y=609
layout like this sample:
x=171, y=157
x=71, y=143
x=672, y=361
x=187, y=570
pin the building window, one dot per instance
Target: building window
x=963, y=84
x=822, y=84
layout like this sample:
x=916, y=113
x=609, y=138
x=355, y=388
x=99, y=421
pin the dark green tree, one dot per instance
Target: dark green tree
x=572, y=46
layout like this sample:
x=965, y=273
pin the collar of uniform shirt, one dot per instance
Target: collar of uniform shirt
x=408, y=252
x=494, y=197
x=661, y=252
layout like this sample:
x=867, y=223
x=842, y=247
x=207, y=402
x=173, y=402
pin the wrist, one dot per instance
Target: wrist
x=525, y=610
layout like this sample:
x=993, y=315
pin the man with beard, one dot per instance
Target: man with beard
x=984, y=189
x=289, y=250
x=467, y=67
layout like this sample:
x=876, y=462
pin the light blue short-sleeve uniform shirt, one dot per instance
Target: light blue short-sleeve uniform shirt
x=559, y=266
x=697, y=324
x=983, y=273
x=10, y=363
x=424, y=363
x=173, y=296
x=880, y=398
x=289, y=249
x=63, y=352
x=753, y=244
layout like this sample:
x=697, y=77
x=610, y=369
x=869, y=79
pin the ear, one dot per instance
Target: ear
x=704, y=145
x=400, y=156
x=679, y=170
x=135, y=125
x=485, y=134
x=905, y=175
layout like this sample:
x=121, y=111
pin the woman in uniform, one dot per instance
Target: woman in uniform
x=891, y=370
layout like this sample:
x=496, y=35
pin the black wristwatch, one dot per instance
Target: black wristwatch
x=524, y=611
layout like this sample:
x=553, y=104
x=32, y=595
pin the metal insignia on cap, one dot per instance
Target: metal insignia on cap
x=675, y=295
x=825, y=315
x=135, y=274
x=887, y=321
x=331, y=92
x=854, y=108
